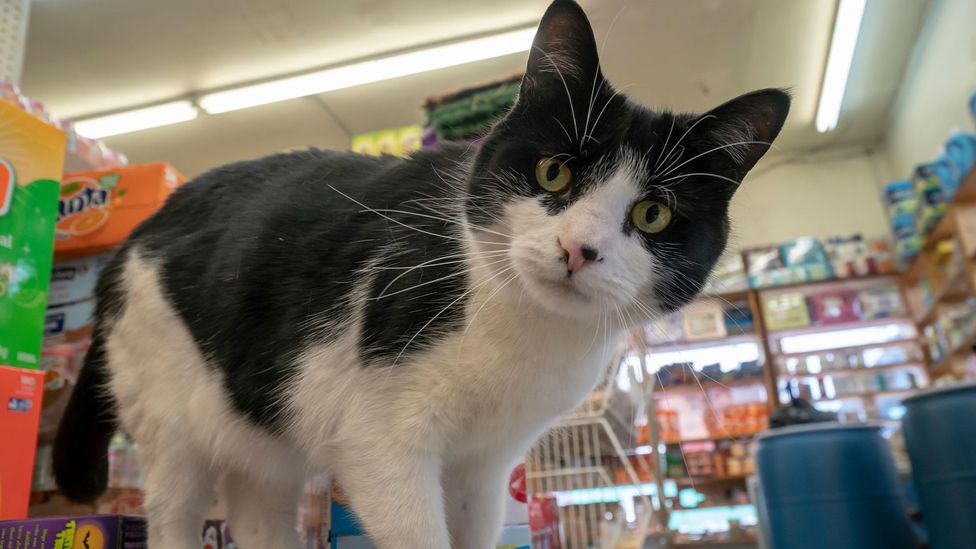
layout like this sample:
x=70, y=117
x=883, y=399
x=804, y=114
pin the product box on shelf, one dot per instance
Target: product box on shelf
x=836, y=306
x=881, y=302
x=69, y=323
x=799, y=260
x=31, y=157
x=98, y=210
x=786, y=311
x=931, y=199
x=544, y=522
x=703, y=320
x=398, y=141
x=74, y=280
x=728, y=275
x=82, y=532
x=20, y=409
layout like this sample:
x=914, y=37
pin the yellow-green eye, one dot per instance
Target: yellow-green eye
x=650, y=216
x=553, y=175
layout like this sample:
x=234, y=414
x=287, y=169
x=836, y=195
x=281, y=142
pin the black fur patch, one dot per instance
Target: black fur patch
x=258, y=257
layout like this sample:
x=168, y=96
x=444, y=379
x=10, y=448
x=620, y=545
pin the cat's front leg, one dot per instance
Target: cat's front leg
x=396, y=494
x=475, y=500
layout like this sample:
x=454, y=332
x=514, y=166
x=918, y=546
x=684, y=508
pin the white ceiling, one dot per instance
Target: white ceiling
x=91, y=56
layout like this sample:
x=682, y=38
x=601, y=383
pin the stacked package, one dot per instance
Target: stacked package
x=31, y=157
x=468, y=114
x=96, y=531
x=916, y=205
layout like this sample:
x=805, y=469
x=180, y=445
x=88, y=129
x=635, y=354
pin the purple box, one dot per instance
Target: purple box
x=97, y=531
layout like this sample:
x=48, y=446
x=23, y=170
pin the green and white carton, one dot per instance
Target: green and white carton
x=31, y=161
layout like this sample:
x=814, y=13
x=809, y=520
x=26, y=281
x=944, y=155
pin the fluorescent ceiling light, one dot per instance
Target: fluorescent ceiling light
x=137, y=119
x=846, y=28
x=356, y=74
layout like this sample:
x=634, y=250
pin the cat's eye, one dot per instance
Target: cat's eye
x=553, y=175
x=650, y=216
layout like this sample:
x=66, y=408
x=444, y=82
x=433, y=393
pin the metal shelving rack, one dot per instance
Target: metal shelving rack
x=859, y=384
x=583, y=455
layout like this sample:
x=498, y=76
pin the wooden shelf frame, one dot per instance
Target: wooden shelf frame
x=948, y=284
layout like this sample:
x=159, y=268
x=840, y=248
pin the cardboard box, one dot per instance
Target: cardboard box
x=31, y=157
x=98, y=210
x=75, y=279
x=92, y=532
x=20, y=411
x=69, y=323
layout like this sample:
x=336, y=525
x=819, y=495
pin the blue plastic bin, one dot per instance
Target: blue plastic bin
x=827, y=485
x=940, y=433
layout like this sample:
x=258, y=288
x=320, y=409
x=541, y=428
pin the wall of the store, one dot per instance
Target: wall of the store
x=933, y=98
x=821, y=195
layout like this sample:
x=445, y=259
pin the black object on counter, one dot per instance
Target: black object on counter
x=797, y=412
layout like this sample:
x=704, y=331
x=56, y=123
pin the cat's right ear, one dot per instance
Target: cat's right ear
x=564, y=55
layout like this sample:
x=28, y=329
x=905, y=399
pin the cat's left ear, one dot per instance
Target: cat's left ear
x=564, y=56
x=745, y=127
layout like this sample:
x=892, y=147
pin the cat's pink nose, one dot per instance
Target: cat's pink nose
x=577, y=254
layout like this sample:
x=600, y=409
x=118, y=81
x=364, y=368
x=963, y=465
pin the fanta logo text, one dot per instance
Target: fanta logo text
x=84, y=200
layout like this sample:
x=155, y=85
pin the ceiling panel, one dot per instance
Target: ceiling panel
x=675, y=54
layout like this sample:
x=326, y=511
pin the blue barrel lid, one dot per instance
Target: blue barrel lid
x=804, y=428
x=940, y=390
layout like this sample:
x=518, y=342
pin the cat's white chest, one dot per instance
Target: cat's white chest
x=515, y=373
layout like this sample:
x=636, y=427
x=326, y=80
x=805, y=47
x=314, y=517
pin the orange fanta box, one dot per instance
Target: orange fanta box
x=98, y=210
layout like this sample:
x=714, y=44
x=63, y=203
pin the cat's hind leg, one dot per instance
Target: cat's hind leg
x=262, y=514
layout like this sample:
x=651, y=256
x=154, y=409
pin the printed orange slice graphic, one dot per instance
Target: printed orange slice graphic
x=89, y=222
x=8, y=181
x=89, y=536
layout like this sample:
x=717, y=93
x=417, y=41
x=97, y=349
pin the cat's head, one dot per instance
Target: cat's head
x=600, y=203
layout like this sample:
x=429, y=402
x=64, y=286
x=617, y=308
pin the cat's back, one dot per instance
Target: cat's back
x=246, y=194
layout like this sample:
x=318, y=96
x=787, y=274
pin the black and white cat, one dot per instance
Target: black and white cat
x=410, y=326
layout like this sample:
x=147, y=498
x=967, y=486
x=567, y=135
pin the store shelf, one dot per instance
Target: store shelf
x=966, y=194
x=701, y=481
x=950, y=291
x=717, y=543
x=868, y=394
x=671, y=346
x=706, y=384
x=850, y=371
x=829, y=282
x=850, y=348
x=964, y=348
x=817, y=328
x=731, y=295
x=709, y=506
x=716, y=438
